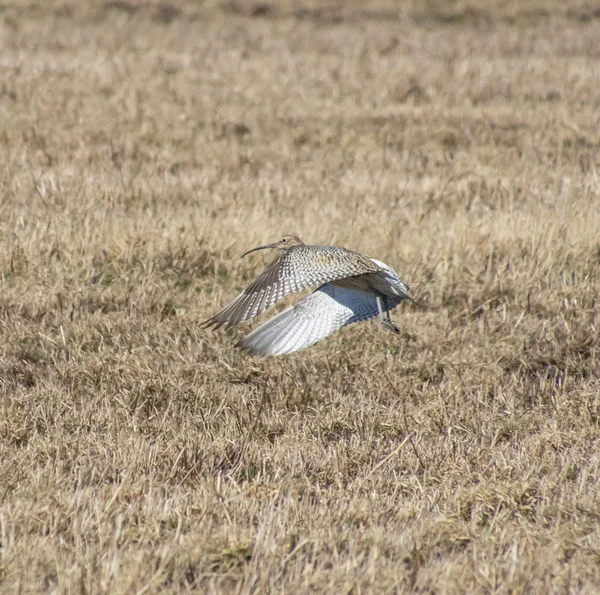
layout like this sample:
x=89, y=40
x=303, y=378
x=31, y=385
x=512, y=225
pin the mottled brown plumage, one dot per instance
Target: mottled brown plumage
x=299, y=267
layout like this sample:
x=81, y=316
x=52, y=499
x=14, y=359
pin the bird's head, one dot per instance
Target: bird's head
x=283, y=244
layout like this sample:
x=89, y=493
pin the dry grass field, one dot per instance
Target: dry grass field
x=145, y=145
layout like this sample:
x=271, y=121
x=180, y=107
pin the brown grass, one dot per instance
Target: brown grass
x=145, y=145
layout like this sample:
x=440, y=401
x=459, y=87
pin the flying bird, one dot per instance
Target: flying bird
x=352, y=287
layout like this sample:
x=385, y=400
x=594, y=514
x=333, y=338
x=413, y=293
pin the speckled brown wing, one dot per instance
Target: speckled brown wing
x=298, y=268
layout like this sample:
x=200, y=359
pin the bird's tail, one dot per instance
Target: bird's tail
x=387, y=283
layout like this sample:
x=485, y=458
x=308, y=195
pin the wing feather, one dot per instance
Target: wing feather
x=312, y=319
x=298, y=268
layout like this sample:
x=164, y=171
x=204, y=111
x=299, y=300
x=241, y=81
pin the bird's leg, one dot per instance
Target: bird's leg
x=387, y=321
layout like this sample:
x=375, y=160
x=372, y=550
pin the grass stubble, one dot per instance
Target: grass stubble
x=146, y=145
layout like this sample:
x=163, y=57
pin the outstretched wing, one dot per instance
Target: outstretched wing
x=298, y=268
x=315, y=317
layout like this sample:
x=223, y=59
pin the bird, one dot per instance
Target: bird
x=351, y=287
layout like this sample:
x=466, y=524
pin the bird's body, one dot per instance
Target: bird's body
x=353, y=287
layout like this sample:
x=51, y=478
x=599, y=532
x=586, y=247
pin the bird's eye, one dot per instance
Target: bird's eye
x=283, y=240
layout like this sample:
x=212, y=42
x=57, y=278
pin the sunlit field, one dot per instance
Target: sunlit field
x=144, y=146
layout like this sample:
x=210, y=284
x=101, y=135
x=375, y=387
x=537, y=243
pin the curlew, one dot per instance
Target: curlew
x=352, y=288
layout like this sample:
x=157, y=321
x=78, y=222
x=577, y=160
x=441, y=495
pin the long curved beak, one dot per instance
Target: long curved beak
x=259, y=248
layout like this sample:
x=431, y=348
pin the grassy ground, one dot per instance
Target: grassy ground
x=145, y=145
